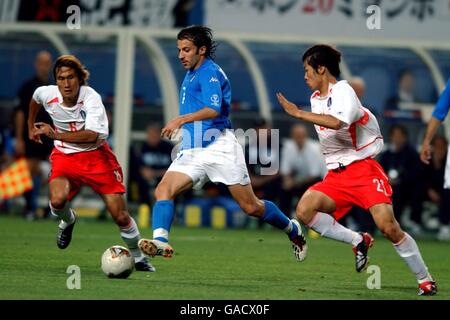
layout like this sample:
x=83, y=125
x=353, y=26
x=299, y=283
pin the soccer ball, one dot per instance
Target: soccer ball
x=117, y=262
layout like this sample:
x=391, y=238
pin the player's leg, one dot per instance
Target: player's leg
x=268, y=212
x=405, y=246
x=172, y=184
x=60, y=190
x=129, y=231
x=312, y=210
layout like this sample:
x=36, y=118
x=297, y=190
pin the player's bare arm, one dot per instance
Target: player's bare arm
x=32, y=130
x=82, y=136
x=425, y=151
x=323, y=120
x=203, y=114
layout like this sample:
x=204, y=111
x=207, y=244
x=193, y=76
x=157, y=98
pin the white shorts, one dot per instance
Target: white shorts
x=221, y=161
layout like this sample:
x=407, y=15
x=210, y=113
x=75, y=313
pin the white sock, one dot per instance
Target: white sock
x=130, y=235
x=65, y=214
x=408, y=250
x=328, y=227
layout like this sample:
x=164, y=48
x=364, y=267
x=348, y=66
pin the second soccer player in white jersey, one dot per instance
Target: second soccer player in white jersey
x=350, y=139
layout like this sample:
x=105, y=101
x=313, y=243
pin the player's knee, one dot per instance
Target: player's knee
x=58, y=200
x=303, y=212
x=162, y=193
x=392, y=231
x=122, y=219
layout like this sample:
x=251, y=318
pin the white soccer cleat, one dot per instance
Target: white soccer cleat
x=299, y=243
x=155, y=248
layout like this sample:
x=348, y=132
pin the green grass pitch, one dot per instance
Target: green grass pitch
x=208, y=264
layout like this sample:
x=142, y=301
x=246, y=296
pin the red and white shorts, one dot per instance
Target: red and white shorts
x=98, y=169
x=363, y=183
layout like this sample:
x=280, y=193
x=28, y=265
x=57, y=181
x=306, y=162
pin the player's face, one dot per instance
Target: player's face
x=312, y=78
x=67, y=82
x=191, y=57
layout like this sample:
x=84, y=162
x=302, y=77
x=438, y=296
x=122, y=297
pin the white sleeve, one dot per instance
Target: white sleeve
x=345, y=104
x=38, y=95
x=96, y=118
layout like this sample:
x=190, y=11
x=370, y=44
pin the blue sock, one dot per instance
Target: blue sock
x=162, y=218
x=273, y=216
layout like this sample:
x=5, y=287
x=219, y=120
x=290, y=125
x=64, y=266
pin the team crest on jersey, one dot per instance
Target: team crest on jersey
x=329, y=103
x=215, y=100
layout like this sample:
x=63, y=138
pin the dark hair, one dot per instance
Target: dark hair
x=323, y=55
x=200, y=36
x=72, y=62
x=400, y=128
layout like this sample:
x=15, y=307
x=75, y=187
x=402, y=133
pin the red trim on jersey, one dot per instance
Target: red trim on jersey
x=315, y=94
x=359, y=149
x=352, y=129
x=54, y=100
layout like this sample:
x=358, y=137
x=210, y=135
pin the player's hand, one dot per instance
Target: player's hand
x=425, y=153
x=170, y=129
x=33, y=135
x=288, y=106
x=45, y=129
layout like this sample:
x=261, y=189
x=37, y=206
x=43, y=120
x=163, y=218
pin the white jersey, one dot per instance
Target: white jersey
x=360, y=135
x=87, y=114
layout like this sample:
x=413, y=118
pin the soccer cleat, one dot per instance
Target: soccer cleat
x=299, y=243
x=427, y=287
x=155, y=248
x=362, y=260
x=64, y=235
x=144, y=265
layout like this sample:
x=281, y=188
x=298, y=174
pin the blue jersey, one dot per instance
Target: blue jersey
x=208, y=86
x=443, y=104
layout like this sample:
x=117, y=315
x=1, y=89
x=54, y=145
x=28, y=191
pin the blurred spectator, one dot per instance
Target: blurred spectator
x=34, y=152
x=302, y=165
x=359, y=85
x=402, y=164
x=265, y=184
x=405, y=91
x=154, y=157
x=434, y=184
x=181, y=12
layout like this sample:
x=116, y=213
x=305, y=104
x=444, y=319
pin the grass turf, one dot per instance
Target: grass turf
x=207, y=264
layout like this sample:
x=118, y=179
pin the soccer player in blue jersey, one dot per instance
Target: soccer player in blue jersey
x=209, y=148
x=439, y=113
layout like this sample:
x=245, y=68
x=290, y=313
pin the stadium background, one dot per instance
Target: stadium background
x=129, y=47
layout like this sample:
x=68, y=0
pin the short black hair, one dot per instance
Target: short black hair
x=400, y=128
x=200, y=36
x=323, y=55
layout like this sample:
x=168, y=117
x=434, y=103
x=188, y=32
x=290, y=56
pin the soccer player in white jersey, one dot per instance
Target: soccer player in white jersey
x=81, y=154
x=350, y=139
x=209, y=149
